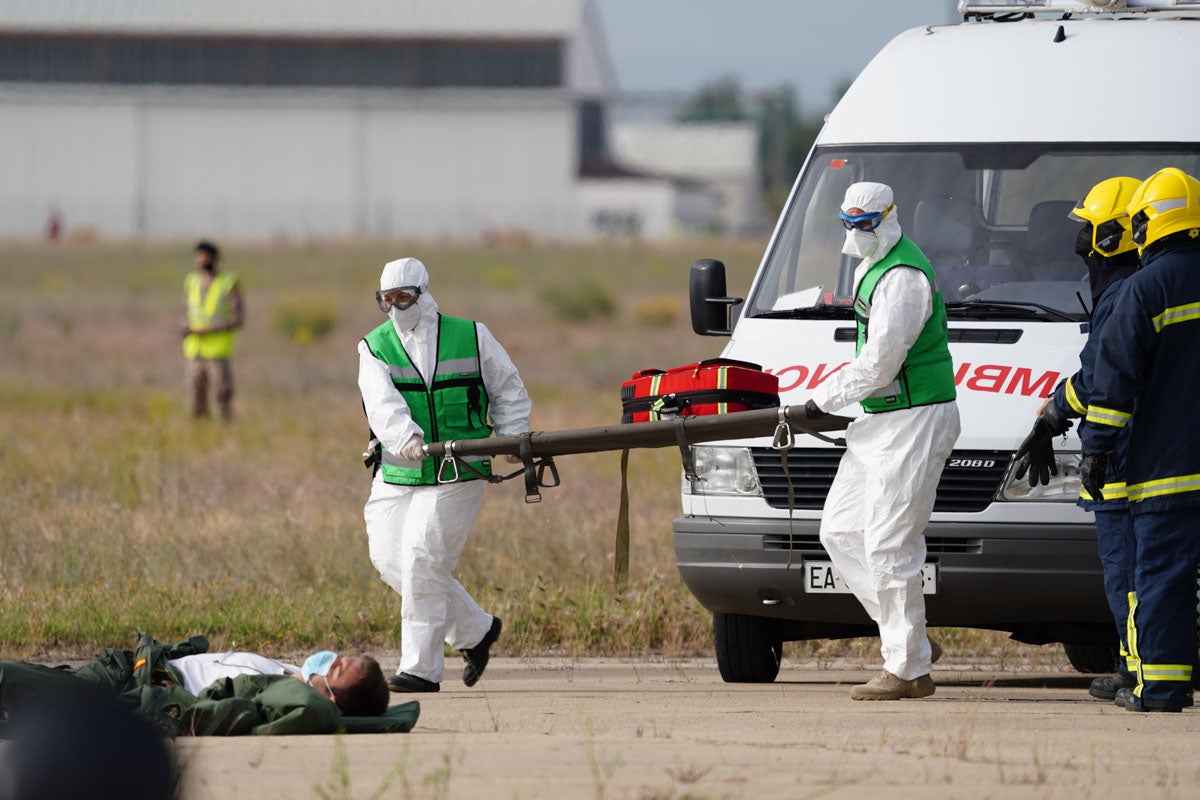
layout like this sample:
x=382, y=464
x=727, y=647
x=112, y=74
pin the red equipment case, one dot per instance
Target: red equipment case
x=715, y=386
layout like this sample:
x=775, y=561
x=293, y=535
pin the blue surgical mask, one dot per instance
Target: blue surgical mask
x=318, y=664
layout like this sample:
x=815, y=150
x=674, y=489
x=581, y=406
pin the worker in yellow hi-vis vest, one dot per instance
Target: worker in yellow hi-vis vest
x=215, y=312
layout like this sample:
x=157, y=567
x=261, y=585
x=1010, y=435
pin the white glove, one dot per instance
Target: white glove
x=411, y=450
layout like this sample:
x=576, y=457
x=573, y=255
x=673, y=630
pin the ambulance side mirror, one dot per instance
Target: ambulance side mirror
x=713, y=313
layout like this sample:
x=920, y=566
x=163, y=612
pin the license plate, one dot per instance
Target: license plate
x=821, y=578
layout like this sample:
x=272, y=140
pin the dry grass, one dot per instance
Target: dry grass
x=119, y=514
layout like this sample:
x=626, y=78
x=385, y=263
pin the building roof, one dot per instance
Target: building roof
x=322, y=18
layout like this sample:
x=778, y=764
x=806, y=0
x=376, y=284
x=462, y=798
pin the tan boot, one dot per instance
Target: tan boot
x=935, y=650
x=886, y=686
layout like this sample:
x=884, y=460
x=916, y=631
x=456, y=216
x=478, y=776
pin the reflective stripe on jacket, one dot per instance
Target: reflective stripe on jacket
x=1071, y=399
x=1146, y=360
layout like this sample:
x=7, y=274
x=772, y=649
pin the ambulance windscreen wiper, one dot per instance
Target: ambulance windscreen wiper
x=809, y=312
x=1020, y=309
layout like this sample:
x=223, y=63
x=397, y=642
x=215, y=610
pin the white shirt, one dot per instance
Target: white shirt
x=201, y=671
x=900, y=306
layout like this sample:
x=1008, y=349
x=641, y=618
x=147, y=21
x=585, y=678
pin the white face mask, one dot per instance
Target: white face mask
x=406, y=318
x=860, y=244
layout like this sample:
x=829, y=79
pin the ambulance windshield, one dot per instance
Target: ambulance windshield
x=992, y=220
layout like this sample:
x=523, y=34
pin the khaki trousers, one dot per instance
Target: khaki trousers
x=199, y=374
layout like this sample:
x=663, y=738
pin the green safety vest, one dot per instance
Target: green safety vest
x=205, y=309
x=927, y=375
x=453, y=406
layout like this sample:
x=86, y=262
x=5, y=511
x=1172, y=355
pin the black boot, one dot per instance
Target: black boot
x=1106, y=688
x=477, y=656
x=403, y=682
x=1126, y=700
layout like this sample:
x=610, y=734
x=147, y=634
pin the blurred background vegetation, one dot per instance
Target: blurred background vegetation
x=786, y=128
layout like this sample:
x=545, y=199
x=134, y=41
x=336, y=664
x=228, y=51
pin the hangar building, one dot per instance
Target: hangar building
x=307, y=119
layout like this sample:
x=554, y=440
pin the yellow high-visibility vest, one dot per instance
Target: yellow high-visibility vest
x=205, y=309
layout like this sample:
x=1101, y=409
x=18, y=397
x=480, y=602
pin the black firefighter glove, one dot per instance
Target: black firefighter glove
x=812, y=410
x=1092, y=472
x=1055, y=422
x=1036, y=455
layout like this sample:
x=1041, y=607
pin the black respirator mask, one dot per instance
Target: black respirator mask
x=1083, y=241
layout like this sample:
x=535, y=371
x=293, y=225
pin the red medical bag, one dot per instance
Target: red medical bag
x=716, y=386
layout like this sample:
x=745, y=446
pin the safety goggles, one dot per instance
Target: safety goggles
x=1108, y=236
x=864, y=222
x=401, y=297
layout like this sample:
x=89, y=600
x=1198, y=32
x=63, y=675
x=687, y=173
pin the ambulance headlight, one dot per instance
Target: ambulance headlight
x=723, y=470
x=1063, y=487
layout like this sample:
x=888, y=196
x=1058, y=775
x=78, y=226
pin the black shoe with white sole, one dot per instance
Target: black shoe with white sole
x=403, y=682
x=476, y=658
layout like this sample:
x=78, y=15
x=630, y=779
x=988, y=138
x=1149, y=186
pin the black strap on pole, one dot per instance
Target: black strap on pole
x=543, y=466
x=621, y=545
x=532, y=495
x=836, y=441
x=685, y=451
x=784, y=440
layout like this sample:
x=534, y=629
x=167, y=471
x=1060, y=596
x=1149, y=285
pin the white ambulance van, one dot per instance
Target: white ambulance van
x=989, y=132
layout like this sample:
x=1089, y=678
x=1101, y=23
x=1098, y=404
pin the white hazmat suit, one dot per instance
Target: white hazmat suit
x=416, y=533
x=882, y=496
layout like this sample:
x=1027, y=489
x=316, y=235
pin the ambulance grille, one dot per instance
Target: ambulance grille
x=810, y=544
x=969, y=482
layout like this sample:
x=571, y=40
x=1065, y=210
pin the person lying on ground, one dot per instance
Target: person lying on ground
x=355, y=684
x=247, y=693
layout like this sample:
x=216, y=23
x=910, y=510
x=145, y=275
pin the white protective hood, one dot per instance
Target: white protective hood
x=418, y=328
x=872, y=198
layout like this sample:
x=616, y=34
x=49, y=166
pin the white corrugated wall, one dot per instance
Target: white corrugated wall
x=130, y=164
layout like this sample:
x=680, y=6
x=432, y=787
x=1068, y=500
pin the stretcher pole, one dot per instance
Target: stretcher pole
x=660, y=433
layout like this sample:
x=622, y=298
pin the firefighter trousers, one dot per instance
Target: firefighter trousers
x=1114, y=539
x=1163, y=617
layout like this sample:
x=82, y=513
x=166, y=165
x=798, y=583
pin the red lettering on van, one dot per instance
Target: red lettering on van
x=801, y=374
x=992, y=377
x=820, y=375
x=988, y=377
x=1022, y=383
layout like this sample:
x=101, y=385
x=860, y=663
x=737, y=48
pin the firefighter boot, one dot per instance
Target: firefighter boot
x=1125, y=699
x=1106, y=688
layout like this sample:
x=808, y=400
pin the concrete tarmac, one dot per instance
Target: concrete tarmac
x=612, y=728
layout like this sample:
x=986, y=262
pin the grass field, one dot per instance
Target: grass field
x=119, y=513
